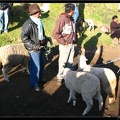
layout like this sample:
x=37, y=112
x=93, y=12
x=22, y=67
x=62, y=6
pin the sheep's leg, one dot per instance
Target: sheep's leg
x=89, y=103
x=22, y=68
x=93, y=28
x=109, y=91
x=5, y=71
x=5, y=76
x=72, y=96
x=99, y=98
x=112, y=99
x=89, y=28
x=27, y=69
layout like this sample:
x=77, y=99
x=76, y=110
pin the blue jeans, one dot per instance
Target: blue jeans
x=76, y=13
x=4, y=20
x=36, y=67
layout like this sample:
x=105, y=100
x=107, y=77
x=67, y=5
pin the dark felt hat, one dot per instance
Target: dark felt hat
x=34, y=8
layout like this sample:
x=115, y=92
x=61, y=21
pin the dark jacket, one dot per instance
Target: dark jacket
x=114, y=26
x=63, y=30
x=4, y=6
x=29, y=35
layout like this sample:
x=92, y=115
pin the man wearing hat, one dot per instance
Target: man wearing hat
x=32, y=33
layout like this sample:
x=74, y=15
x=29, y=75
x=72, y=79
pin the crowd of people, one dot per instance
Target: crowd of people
x=33, y=37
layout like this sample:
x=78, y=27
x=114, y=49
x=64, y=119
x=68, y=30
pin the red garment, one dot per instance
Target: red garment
x=104, y=28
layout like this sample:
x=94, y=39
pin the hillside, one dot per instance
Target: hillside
x=101, y=13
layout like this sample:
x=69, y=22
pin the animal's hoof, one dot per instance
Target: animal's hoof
x=83, y=114
x=74, y=103
x=109, y=105
x=7, y=80
x=68, y=101
x=100, y=108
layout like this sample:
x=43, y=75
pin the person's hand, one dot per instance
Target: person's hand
x=66, y=43
x=39, y=47
x=8, y=8
x=75, y=45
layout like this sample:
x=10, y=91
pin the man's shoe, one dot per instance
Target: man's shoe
x=37, y=89
x=43, y=81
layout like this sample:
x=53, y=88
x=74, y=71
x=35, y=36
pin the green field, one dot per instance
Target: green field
x=101, y=13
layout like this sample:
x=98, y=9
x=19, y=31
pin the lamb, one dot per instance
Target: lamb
x=106, y=76
x=91, y=24
x=11, y=56
x=86, y=84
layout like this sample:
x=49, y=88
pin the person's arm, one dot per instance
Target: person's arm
x=26, y=39
x=57, y=33
x=115, y=25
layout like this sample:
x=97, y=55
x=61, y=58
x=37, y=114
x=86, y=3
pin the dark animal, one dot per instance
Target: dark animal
x=81, y=26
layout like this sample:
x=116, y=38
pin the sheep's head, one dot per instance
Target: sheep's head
x=82, y=62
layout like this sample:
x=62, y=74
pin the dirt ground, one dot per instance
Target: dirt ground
x=17, y=99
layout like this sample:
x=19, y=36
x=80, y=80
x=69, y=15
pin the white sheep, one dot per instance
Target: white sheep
x=86, y=84
x=11, y=56
x=91, y=24
x=106, y=76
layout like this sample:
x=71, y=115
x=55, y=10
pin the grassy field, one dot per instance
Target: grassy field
x=101, y=13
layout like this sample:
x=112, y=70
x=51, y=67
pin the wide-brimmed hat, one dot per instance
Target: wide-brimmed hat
x=34, y=8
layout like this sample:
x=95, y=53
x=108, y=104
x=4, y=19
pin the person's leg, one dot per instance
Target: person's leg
x=70, y=63
x=1, y=20
x=34, y=69
x=63, y=56
x=6, y=20
x=42, y=64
